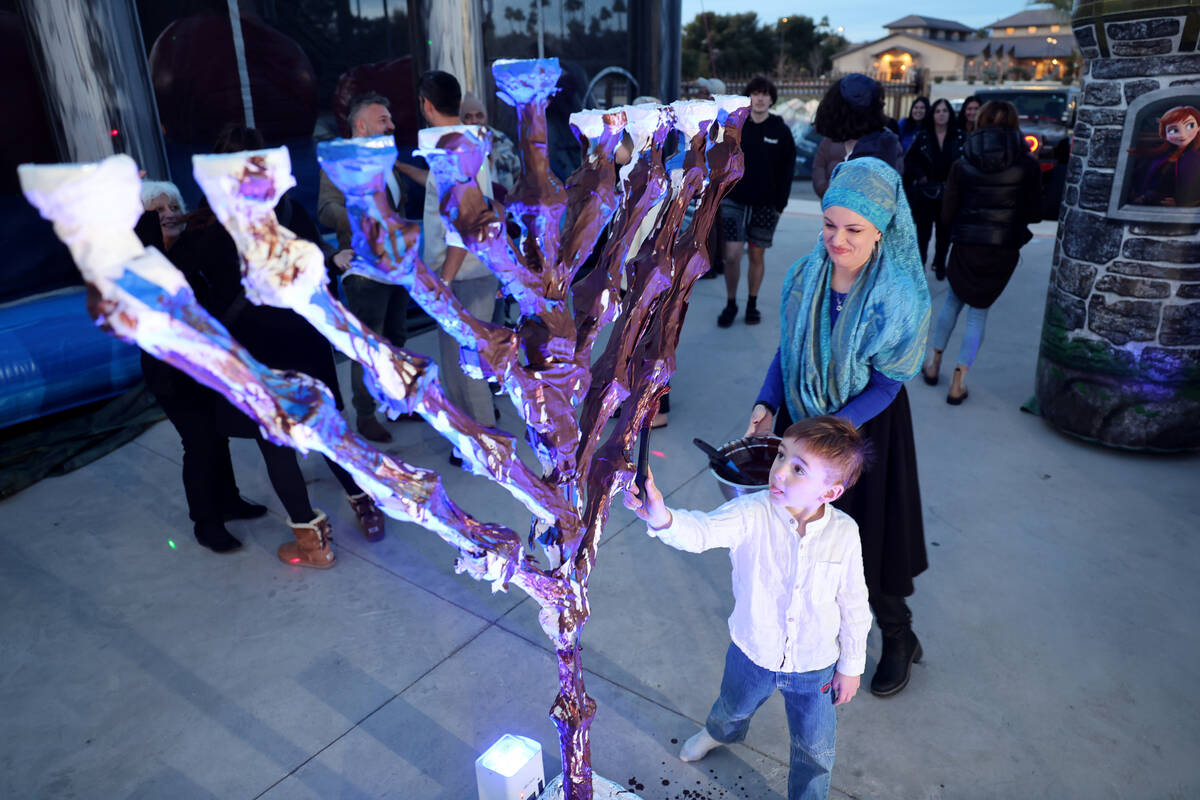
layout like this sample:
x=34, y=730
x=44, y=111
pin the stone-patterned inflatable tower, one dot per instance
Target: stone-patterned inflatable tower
x=1120, y=351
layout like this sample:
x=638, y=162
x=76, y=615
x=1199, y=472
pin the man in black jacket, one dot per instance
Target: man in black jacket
x=750, y=212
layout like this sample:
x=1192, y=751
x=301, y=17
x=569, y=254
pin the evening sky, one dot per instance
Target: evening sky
x=863, y=20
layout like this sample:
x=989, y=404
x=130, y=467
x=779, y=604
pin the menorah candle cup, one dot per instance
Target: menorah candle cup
x=93, y=208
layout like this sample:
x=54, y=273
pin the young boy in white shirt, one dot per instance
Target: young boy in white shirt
x=800, y=617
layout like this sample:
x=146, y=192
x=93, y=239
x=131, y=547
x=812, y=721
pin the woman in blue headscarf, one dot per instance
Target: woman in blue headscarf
x=854, y=316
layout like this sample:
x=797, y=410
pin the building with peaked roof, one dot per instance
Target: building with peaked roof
x=930, y=27
x=1032, y=45
x=1037, y=20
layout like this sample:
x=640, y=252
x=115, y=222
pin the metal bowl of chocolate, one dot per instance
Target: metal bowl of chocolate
x=744, y=465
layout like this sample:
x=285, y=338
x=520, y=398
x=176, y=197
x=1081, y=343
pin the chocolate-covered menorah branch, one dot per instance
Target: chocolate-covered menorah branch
x=544, y=364
x=146, y=301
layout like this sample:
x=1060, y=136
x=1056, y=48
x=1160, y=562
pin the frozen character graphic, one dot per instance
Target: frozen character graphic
x=1172, y=171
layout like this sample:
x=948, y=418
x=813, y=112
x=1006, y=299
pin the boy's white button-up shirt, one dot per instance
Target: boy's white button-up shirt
x=800, y=601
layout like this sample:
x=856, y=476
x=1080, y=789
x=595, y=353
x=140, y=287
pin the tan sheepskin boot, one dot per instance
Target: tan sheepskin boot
x=313, y=546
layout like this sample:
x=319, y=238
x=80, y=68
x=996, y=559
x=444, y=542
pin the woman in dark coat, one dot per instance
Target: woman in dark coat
x=280, y=339
x=926, y=165
x=855, y=312
x=910, y=125
x=992, y=193
x=968, y=114
x=208, y=482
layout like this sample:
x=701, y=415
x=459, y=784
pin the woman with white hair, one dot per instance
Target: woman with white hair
x=164, y=197
x=209, y=487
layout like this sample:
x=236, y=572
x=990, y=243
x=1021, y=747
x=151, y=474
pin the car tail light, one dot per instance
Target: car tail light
x=1033, y=143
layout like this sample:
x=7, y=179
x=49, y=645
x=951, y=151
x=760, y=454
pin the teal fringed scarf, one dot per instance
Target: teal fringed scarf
x=885, y=318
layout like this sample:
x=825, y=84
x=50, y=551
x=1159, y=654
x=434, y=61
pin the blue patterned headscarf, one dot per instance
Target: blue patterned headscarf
x=885, y=318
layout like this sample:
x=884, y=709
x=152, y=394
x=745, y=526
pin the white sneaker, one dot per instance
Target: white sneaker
x=698, y=746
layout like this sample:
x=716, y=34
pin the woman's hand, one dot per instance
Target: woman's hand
x=341, y=259
x=762, y=421
x=651, y=510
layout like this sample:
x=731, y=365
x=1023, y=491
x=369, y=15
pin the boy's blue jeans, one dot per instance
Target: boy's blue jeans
x=812, y=720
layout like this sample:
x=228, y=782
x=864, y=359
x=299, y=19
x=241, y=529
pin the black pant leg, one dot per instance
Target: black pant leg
x=891, y=613
x=943, y=238
x=224, y=483
x=924, y=220
x=283, y=469
x=206, y=464
x=343, y=477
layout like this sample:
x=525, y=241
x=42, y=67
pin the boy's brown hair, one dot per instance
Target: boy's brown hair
x=835, y=441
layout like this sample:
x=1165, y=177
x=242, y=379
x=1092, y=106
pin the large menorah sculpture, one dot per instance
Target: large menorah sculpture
x=545, y=364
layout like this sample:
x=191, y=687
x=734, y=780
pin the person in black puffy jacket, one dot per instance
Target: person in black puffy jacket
x=992, y=193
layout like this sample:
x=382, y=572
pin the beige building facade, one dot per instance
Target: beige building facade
x=1031, y=45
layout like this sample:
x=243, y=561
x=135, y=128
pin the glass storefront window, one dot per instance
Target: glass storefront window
x=591, y=40
x=300, y=61
x=35, y=260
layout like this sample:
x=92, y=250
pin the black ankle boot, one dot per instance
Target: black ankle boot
x=900, y=652
x=900, y=646
x=241, y=508
x=214, y=536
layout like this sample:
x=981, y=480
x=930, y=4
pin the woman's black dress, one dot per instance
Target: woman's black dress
x=886, y=501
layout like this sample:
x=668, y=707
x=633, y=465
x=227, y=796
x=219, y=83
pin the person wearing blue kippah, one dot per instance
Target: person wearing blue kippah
x=850, y=117
x=855, y=314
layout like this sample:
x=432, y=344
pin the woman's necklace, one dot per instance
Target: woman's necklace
x=839, y=299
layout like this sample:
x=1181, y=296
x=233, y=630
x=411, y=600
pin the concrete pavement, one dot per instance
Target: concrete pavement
x=1057, y=616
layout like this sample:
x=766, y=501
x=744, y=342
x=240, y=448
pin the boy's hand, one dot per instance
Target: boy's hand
x=845, y=687
x=652, y=510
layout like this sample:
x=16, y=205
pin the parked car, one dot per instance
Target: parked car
x=1047, y=119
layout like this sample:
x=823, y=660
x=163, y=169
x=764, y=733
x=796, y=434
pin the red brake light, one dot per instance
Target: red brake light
x=1032, y=143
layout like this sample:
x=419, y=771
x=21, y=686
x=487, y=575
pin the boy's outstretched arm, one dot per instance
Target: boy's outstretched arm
x=651, y=510
x=844, y=687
